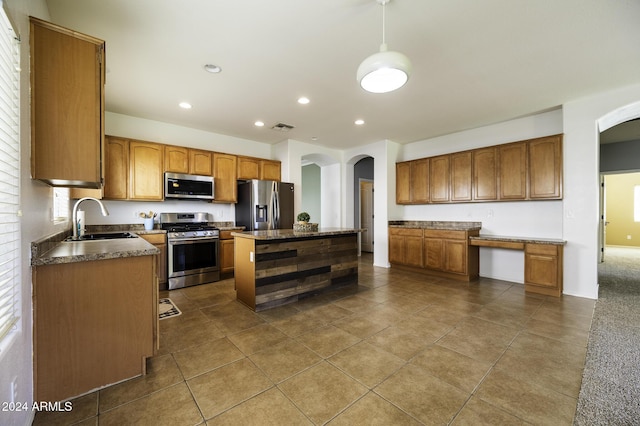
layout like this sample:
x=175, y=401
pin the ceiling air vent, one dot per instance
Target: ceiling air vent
x=281, y=127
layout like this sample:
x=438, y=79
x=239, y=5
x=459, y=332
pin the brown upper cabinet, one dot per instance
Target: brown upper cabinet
x=176, y=159
x=116, y=176
x=146, y=168
x=439, y=171
x=485, y=174
x=133, y=170
x=412, y=182
x=545, y=168
x=257, y=168
x=180, y=159
x=248, y=168
x=67, y=106
x=525, y=170
x=512, y=171
x=224, y=172
x=200, y=162
x=403, y=182
x=461, y=176
x=270, y=170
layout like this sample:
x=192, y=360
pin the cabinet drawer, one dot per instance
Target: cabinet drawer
x=406, y=232
x=445, y=234
x=544, y=249
x=154, y=238
x=226, y=235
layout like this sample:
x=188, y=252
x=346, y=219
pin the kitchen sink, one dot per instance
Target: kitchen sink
x=103, y=236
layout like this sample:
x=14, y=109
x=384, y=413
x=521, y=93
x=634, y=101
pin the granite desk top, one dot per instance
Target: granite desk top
x=281, y=234
x=433, y=224
x=523, y=240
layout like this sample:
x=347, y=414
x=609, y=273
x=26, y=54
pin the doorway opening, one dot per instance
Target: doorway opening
x=363, y=207
x=620, y=187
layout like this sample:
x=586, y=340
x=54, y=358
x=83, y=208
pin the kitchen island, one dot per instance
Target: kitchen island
x=281, y=266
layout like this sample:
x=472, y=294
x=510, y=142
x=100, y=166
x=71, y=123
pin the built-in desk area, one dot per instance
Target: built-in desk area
x=542, y=260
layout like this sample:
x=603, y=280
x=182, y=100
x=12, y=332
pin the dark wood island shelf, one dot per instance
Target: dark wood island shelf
x=277, y=267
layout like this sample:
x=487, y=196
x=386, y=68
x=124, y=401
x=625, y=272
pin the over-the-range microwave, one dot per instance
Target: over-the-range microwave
x=182, y=186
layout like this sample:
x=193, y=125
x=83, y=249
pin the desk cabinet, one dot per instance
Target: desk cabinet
x=543, y=269
x=405, y=247
x=437, y=251
x=449, y=251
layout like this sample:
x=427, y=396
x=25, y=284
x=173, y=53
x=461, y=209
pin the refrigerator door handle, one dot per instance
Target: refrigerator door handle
x=275, y=206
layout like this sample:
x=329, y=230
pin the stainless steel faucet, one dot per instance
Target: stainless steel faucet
x=75, y=213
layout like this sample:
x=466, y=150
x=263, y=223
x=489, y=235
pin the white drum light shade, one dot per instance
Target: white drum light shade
x=384, y=71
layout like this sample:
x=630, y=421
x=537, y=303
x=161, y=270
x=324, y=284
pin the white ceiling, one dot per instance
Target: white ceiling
x=474, y=62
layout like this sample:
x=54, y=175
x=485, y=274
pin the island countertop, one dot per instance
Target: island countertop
x=286, y=234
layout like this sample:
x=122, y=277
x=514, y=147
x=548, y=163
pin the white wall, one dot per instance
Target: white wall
x=581, y=182
x=385, y=154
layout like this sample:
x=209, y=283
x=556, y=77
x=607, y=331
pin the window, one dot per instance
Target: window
x=9, y=176
x=636, y=203
x=60, y=204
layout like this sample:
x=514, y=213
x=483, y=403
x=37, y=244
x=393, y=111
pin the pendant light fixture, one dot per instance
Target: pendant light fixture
x=386, y=70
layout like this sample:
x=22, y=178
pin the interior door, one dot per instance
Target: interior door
x=602, y=235
x=366, y=214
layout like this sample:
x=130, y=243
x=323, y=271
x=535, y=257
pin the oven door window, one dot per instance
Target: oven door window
x=193, y=255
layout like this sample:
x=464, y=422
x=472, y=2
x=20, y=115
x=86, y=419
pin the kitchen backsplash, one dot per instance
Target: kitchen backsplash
x=128, y=212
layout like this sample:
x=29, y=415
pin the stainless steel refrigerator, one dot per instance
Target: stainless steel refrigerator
x=264, y=204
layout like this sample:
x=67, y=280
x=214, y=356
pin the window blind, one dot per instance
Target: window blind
x=9, y=176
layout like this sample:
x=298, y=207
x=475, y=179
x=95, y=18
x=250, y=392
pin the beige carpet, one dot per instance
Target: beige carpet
x=610, y=392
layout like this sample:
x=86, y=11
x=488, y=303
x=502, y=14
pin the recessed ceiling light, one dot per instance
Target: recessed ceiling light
x=214, y=69
x=184, y=105
x=259, y=124
x=359, y=122
x=303, y=100
x=314, y=138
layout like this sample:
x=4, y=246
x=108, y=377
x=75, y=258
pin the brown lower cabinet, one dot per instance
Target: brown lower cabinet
x=160, y=241
x=543, y=269
x=227, y=256
x=95, y=323
x=405, y=247
x=436, y=251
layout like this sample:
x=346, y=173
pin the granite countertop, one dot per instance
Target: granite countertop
x=523, y=240
x=83, y=251
x=432, y=224
x=281, y=234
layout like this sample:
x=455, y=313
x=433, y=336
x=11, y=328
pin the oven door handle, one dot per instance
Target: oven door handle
x=187, y=240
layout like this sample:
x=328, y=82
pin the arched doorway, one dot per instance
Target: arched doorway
x=620, y=186
x=621, y=126
x=363, y=207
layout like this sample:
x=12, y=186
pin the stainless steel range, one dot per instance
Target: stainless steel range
x=193, y=249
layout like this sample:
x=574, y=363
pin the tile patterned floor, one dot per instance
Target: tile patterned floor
x=402, y=349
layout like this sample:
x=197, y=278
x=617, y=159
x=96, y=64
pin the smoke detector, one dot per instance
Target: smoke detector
x=282, y=127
